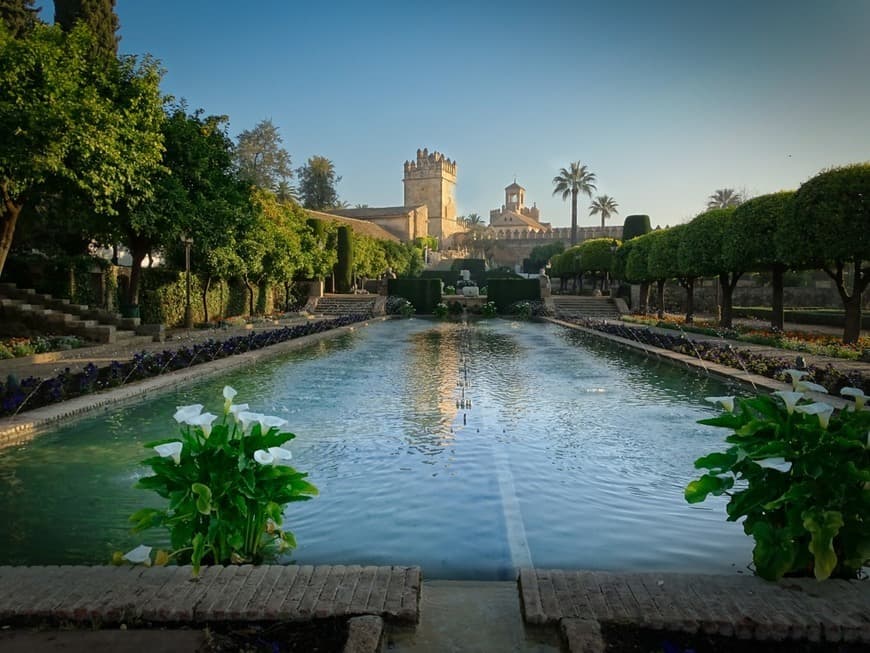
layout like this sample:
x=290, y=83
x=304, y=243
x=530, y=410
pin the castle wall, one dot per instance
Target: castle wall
x=430, y=180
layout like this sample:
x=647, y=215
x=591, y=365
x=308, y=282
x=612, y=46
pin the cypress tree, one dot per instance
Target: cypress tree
x=98, y=15
x=19, y=16
x=344, y=267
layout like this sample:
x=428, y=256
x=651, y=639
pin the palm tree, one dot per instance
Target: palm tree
x=724, y=198
x=605, y=205
x=570, y=182
x=472, y=220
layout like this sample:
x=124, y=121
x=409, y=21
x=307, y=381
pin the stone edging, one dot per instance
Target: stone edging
x=722, y=371
x=21, y=428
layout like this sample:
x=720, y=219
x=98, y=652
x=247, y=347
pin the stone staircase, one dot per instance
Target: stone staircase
x=64, y=318
x=596, y=308
x=343, y=304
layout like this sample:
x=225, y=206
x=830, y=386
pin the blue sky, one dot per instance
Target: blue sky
x=665, y=101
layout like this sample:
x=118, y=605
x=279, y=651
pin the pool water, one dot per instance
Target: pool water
x=574, y=454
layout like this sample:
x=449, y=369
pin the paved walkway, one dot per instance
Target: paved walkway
x=745, y=607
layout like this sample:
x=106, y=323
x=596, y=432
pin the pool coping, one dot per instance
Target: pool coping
x=19, y=429
x=755, y=381
x=742, y=607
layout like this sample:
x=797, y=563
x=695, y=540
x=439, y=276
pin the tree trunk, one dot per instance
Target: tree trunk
x=660, y=292
x=250, y=288
x=727, y=284
x=643, y=301
x=205, y=297
x=689, y=285
x=573, y=217
x=777, y=317
x=8, y=220
x=287, y=286
x=139, y=247
x=851, y=302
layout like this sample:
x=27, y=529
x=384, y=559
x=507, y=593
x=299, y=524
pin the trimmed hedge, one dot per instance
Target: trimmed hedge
x=424, y=294
x=19, y=396
x=476, y=266
x=818, y=318
x=449, y=277
x=504, y=292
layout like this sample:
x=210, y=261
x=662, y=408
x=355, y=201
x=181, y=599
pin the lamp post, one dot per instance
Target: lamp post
x=188, y=311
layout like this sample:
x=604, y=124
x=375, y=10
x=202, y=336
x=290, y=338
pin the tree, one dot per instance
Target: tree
x=19, y=16
x=662, y=264
x=344, y=265
x=317, y=180
x=570, y=182
x=261, y=159
x=596, y=255
x=540, y=256
x=65, y=121
x=634, y=226
x=605, y=206
x=828, y=226
x=724, y=198
x=701, y=255
x=750, y=243
x=98, y=15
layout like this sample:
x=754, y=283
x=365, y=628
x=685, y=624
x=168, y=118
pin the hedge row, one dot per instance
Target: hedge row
x=32, y=392
x=742, y=359
x=819, y=318
x=505, y=292
x=424, y=294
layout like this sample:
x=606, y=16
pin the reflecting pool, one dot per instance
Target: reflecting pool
x=573, y=454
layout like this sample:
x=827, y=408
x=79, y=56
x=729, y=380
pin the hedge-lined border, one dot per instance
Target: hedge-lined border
x=260, y=346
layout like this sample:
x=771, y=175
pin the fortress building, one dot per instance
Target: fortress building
x=429, y=208
x=515, y=218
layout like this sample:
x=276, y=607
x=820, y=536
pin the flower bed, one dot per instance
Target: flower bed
x=32, y=392
x=809, y=343
x=726, y=354
x=17, y=347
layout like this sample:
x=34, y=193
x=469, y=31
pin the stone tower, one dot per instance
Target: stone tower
x=431, y=181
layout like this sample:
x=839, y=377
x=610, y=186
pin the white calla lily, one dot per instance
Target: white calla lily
x=790, y=399
x=796, y=375
x=141, y=555
x=264, y=457
x=203, y=421
x=857, y=394
x=185, y=413
x=808, y=386
x=726, y=402
x=235, y=409
x=170, y=450
x=779, y=464
x=247, y=419
x=228, y=393
x=823, y=410
x=280, y=454
x=268, y=421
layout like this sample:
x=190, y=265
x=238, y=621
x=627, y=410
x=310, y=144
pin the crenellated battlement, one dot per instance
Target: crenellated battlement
x=429, y=164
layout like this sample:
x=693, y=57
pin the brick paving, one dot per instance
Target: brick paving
x=171, y=596
x=745, y=607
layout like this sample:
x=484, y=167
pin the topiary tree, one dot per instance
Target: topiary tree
x=662, y=262
x=634, y=226
x=700, y=255
x=750, y=243
x=828, y=226
x=344, y=265
x=632, y=260
x=596, y=256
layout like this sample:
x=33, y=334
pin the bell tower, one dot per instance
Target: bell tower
x=430, y=180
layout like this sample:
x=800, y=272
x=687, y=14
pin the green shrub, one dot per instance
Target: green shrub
x=344, y=266
x=504, y=292
x=440, y=311
x=449, y=290
x=489, y=309
x=424, y=294
x=634, y=226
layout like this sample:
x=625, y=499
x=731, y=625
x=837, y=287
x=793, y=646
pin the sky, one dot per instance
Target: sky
x=665, y=101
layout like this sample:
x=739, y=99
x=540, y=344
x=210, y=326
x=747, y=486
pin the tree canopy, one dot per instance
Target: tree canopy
x=570, y=182
x=261, y=159
x=317, y=180
x=98, y=15
x=89, y=129
x=20, y=16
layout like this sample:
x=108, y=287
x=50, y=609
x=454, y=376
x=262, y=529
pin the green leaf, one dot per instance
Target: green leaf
x=203, y=501
x=720, y=461
x=823, y=527
x=775, y=551
x=696, y=491
x=240, y=504
x=198, y=552
x=146, y=518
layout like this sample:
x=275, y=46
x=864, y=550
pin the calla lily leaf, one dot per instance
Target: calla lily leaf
x=823, y=528
x=203, y=501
